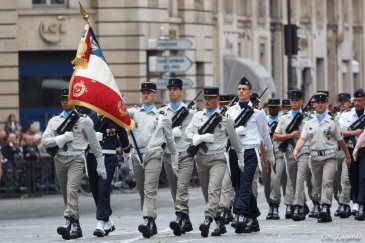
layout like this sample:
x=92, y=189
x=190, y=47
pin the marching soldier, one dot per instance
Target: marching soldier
x=324, y=135
x=270, y=179
x=70, y=162
x=212, y=164
x=285, y=105
x=347, y=120
x=341, y=184
x=152, y=129
x=245, y=205
x=179, y=174
x=108, y=138
x=227, y=192
x=296, y=169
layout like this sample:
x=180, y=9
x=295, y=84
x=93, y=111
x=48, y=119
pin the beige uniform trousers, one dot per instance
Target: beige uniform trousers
x=147, y=181
x=312, y=192
x=69, y=171
x=297, y=173
x=227, y=192
x=278, y=179
x=341, y=184
x=211, y=170
x=266, y=181
x=324, y=170
x=180, y=185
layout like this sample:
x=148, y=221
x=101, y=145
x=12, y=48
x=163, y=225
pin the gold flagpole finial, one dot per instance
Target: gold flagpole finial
x=84, y=14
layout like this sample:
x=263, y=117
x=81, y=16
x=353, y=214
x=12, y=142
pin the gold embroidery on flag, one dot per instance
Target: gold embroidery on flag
x=79, y=89
x=122, y=108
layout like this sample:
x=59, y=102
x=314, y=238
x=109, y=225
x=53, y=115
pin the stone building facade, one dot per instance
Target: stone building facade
x=38, y=39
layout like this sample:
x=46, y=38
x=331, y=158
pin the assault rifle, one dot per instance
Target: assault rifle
x=66, y=126
x=294, y=126
x=208, y=127
x=358, y=124
x=273, y=126
x=246, y=113
x=183, y=112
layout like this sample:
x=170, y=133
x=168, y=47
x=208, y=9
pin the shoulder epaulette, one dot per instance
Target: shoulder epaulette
x=285, y=113
x=84, y=115
x=347, y=110
x=56, y=115
x=162, y=113
x=162, y=106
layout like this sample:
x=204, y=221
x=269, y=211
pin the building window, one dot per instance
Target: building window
x=243, y=8
x=199, y=4
x=49, y=3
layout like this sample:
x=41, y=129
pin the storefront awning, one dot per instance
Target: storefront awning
x=235, y=68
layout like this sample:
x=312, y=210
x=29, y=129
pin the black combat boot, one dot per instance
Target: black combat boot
x=76, y=231
x=275, y=211
x=296, y=214
x=337, y=212
x=312, y=213
x=154, y=227
x=176, y=225
x=323, y=215
x=251, y=225
x=66, y=228
x=240, y=226
x=348, y=210
x=221, y=228
x=269, y=215
x=360, y=214
x=288, y=212
x=204, y=227
x=342, y=211
x=306, y=209
x=234, y=221
x=229, y=216
x=186, y=225
x=146, y=227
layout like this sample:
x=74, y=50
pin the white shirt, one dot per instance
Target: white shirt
x=346, y=119
x=256, y=129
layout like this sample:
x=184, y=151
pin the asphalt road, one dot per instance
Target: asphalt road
x=36, y=220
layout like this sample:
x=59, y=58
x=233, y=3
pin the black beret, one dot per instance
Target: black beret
x=359, y=93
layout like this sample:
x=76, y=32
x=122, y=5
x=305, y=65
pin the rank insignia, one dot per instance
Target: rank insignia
x=76, y=127
x=107, y=132
x=219, y=126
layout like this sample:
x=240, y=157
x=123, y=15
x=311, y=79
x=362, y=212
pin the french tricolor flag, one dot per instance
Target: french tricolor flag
x=93, y=85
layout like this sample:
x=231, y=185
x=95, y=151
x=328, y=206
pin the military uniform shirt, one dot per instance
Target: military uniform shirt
x=322, y=136
x=347, y=118
x=83, y=134
x=284, y=122
x=181, y=144
x=225, y=128
x=146, y=123
x=256, y=129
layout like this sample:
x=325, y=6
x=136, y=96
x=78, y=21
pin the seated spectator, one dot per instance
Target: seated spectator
x=30, y=130
x=38, y=141
x=11, y=126
x=30, y=150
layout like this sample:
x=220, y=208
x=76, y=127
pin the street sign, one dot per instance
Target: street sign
x=162, y=83
x=169, y=64
x=166, y=44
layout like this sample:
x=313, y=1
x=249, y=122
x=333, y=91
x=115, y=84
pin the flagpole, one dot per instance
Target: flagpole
x=84, y=14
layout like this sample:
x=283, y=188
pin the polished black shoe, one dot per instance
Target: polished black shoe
x=315, y=210
x=186, y=225
x=269, y=215
x=323, y=215
x=302, y=213
x=360, y=214
x=221, y=228
x=275, y=211
x=204, y=227
x=337, y=212
x=176, y=225
x=252, y=225
x=296, y=214
x=146, y=227
x=288, y=212
x=240, y=226
x=229, y=216
x=348, y=210
x=154, y=227
x=342, y=211
x=306, y=209
x=234, y=221
x=76, y=231
x=66, y=228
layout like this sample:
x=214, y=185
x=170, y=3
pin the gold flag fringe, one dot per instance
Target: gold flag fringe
x=79, y=63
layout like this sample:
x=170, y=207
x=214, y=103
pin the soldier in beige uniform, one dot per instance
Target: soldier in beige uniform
x=324, y=135
x=212, y=164
x=70, y=162
x=227, y=192
x=151, y=129
x=179, y=175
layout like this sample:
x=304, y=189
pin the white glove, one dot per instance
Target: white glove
x=126, y=156
x=241, y=163
x=101, y=167
x=198, y=139
x=177, y=132
x=270, y=156
x=175, y=162
x=241, y=131
x=64, y=138
x=99, y=136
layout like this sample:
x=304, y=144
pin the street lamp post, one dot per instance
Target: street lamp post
x=289, y=48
